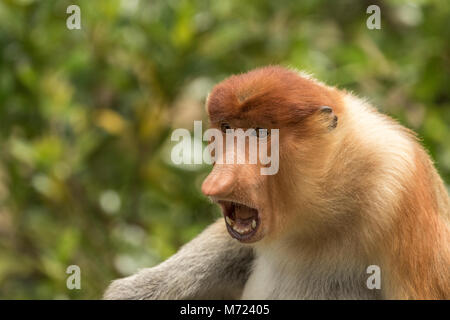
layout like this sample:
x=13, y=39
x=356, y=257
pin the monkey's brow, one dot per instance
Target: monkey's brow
x=246, y=118
x=248, y=125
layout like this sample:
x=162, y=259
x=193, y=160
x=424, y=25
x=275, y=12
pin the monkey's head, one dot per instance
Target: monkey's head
x=305, y=112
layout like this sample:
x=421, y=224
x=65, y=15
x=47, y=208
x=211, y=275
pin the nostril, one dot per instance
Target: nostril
x=206, y=187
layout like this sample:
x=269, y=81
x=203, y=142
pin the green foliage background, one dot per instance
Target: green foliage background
x=86, y=115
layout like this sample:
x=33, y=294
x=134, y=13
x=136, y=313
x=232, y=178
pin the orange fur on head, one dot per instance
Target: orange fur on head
x=272, y=95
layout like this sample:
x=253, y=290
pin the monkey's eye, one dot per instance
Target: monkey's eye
x=261, y=133
x=224, y=127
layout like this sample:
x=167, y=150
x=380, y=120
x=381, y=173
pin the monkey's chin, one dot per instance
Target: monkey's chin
x=243, y=222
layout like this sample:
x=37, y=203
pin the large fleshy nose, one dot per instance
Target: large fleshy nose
x=220, y=182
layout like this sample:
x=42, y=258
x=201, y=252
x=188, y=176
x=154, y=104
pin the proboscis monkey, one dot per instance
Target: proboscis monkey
x=354, y=189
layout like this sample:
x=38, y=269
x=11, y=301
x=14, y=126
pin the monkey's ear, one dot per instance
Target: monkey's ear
x=328, y=117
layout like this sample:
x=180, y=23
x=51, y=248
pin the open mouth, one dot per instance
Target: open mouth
x=242, y=221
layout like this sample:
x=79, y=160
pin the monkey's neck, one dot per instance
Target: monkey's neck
x=292, y=272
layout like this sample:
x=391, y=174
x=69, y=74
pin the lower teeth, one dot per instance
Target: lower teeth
x=238, y=229
x=241, y=231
